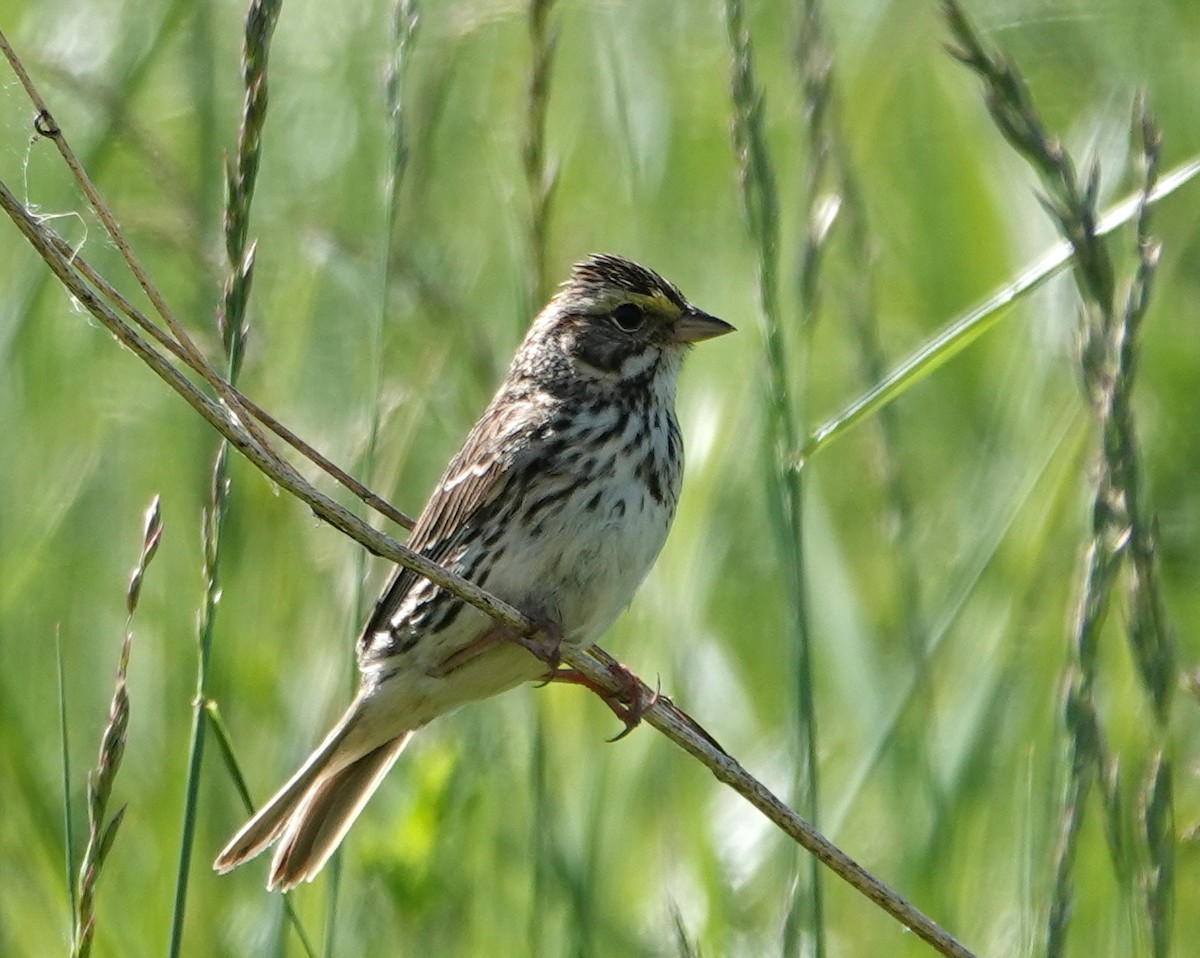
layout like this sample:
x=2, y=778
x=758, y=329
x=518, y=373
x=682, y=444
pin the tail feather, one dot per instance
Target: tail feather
x=315, y=829
x=316, y=806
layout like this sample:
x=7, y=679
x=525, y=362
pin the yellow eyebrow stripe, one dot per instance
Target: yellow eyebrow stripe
x=655, y=301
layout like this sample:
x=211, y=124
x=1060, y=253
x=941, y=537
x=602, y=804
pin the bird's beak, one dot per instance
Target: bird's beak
x=692, y=326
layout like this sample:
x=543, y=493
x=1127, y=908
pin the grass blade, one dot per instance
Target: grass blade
x=234, y=769
x=981, y=318
x=784, y=416
x=65, y=752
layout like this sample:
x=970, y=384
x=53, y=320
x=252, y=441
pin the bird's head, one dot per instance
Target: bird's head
x=614, y=318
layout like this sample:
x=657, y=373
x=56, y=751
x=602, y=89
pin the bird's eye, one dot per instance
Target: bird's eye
x=628, y=317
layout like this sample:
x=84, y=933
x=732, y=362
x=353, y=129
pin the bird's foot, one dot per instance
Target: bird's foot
x=630, y=703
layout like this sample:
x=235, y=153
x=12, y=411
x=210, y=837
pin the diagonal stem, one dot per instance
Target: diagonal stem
x=367, y=496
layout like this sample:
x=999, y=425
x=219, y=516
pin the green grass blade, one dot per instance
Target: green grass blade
x=65, y=752
x=234, y=768
x=980, y=319
x=242, y=174
x=783, y=412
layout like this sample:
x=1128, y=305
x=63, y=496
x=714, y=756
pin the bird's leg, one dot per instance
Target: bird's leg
x=629, y=704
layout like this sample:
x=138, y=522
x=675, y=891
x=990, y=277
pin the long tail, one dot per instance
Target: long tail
x=311, y=814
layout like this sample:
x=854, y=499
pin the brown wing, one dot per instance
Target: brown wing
x=475, y=478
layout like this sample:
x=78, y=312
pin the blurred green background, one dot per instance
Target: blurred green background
x=511, y=827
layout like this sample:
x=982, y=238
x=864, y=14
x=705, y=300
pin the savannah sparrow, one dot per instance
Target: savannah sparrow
x=558, y=502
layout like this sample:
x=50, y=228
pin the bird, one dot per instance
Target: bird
x=558, y=502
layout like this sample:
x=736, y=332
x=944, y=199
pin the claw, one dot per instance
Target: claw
x=553, y=674
x=639, y=703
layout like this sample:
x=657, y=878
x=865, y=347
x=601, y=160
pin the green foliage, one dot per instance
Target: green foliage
x=940, y=629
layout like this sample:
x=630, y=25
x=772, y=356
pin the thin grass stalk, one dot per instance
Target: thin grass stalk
x=1011, y=107
x=815, y=60
x=234, y=770
x=542, y=838
x=539, y=178
x=101, y=147
x=204, y=124
x=1148, y=631
x=833, y=203
x=539, y=188
x=177, y=341
x=1158, y=833
x=1150, y=635
x=330, y=468
x=684, y=946
x=102, y=831
x=589, y=874
x=1071, y=203
x=784, y=417
x=403, y=18
x=812, y=58
x=1122, y=534
x=98, y=283
x=46, y=126
x=241, y=176
x=65, y=753
x=212, y=518
x=1085, y=748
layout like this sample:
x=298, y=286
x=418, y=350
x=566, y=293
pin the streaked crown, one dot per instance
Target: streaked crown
x=603, y=276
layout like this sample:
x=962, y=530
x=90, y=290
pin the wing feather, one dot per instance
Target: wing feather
x=475, y=479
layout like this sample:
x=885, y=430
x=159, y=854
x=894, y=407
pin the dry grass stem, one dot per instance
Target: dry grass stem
x=47, y=126
x=178, y=342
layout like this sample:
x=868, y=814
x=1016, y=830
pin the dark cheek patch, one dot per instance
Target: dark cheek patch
x=601, y=352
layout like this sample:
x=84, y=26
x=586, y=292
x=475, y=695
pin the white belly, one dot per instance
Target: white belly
x=605, y=556
x=581, y=566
